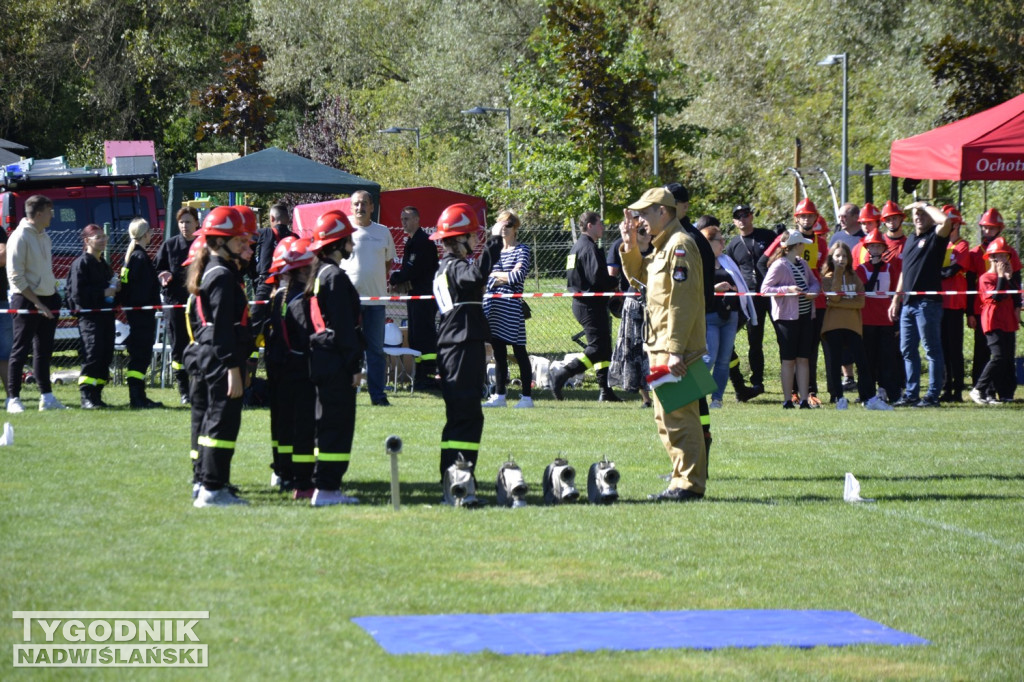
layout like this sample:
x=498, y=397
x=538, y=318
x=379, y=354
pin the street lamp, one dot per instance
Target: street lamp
x=396, y=130
x=477, y=111
x=832, y=60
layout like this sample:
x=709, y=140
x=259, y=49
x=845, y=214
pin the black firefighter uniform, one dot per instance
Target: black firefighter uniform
x=674, y=278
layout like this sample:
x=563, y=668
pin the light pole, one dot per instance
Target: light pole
x=477, y=111
x=832, y=60
x=395, y=130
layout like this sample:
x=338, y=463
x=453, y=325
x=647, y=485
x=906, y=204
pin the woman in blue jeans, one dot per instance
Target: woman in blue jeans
x=723, y=321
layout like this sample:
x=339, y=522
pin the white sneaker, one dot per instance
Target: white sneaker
x=216, y=498
x=975, y=396
x=48, y=401
x=842, y=404
x=495, y=401
x=275, y=481
x=327, y=498
x=876, y=403
x=14, y=406
x=715, y=404
x=525, y=401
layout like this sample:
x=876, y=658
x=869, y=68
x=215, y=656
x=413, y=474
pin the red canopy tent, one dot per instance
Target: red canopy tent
x=986, y=146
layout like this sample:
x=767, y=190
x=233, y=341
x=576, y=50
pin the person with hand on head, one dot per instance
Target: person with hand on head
x=794, y=288
x=140, y=288
x=461, y=333
x=222, y=345
x=505, y=315
x=171, y=273
x=673, y=274
x=336, y=346
x=33, y=286
x=920, y=315
x=629, y=368
x=91, y=284
x=1000, y=318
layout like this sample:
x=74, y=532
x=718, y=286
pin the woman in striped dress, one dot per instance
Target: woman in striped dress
x=505, y=315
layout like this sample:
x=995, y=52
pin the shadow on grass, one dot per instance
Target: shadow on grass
x=839, y=477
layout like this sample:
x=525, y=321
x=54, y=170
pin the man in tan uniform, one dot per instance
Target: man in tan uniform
x=675, y=334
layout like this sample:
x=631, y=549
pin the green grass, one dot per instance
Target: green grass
x=97, y=516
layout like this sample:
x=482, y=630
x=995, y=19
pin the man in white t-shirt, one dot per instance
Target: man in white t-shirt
x=373, y=251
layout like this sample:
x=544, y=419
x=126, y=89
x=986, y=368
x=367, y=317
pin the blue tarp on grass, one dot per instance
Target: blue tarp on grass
x=555, y=633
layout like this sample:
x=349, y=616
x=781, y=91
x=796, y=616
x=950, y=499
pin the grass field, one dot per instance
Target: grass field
x=97, y=516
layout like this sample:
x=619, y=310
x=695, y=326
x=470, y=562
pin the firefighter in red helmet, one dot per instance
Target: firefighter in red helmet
x=461, y=333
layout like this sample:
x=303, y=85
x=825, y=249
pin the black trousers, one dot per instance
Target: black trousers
x=501, y=367
x=597, y=326
x=335, y=426
x=981, y=353
x=755, y=341
x=218, y=427
x=838, y=343
x=883, y=358
x=818, y=321
x=953, y=350
x=280, y=423
x=140, y=342
x=198, y=396
x=297, y=428
x=423, y=335
x=179, y=335
x=999, y=376
x=463, y=372
x=33, y=334
x=96, y=332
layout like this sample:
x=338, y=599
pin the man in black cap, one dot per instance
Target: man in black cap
x=708, y=261
x=746, y=249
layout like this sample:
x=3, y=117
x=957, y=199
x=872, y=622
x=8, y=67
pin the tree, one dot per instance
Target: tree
x=237, y=106
x=586, y=89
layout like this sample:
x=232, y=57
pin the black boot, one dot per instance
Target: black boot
x=97, y=397
x=137, y=399
x=561, y=375
x=87, y=402
x=181, y=380
x=606, y=395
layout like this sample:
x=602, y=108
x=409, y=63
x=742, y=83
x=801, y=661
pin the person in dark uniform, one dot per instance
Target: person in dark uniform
x=139, y=287
x=463, y=329
x=336, y=355
x=266, y=242
x=708, y=263
x=268, y=320
x=223, y=343
x=419, y=263
x=746, y=249
x=197, y=399
x=587, y=271
x=89, y=286
x=171, y=272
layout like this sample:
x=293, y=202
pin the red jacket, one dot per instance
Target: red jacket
x=876, y=307
x=998, y=311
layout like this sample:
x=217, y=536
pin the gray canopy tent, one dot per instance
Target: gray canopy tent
x=267, y=171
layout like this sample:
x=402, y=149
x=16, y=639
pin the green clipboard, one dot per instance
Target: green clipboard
x=697, y=383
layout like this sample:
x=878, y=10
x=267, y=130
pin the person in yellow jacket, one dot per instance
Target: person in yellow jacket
x=675, y=330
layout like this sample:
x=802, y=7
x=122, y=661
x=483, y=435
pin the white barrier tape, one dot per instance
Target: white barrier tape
x=64, y=312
